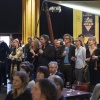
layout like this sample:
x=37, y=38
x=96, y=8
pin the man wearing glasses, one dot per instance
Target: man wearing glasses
x=66, y=52
x=53, y=69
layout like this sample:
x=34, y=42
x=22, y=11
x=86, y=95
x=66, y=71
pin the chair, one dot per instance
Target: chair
x=82, y=87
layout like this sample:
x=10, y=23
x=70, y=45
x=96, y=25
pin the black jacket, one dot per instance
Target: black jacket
x=4, y=51
x=25, y=96
x=61, y=75
x=70, y=54
x=47, y=56
x=62, y=98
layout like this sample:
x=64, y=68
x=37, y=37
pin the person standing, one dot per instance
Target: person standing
x=20, y=90
x=66, y=52
x=44, y=89
x=80, y=56
x=16, y=57
x=46, y=52
x=4, y=52
x=93, y=61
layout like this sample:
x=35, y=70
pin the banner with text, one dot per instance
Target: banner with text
x=85, y=23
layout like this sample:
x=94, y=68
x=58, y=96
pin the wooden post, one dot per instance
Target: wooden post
x=49, y=24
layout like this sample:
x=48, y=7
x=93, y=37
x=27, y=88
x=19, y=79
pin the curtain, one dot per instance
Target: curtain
x=30, y=16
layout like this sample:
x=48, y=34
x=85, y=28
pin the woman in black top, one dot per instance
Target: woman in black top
x=93, y=60
x=19, y=92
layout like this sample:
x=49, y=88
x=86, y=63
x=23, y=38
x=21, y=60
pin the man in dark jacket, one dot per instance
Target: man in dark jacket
x=46, y=52
x=66, y=52
x=4, y=51
x=53, y=69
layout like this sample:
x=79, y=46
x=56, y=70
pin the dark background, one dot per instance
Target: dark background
x=61, y=22
x=10, y=16
x=11, y=19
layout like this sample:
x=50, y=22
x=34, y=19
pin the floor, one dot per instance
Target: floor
x=5, y=90
x=3, y=93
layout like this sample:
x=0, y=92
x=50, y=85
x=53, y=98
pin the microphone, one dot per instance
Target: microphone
x=55, y=9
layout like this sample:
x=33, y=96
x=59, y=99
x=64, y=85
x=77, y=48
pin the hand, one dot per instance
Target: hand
x=40, y=51
x=36, y=54
x=87, y=59
x=94, y=57
x=13, y=58
x=73, y=58
x=32, y=51
x=64, y=54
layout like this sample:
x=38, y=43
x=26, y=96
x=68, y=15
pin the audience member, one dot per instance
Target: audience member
x=42, y=72
x=80, y=56
x=26, y=47
x=53, y=69
x=93, y=61
x=19, y=92
x=96, y=93
x=44, y=89
x=25, y=66
x=4, y=51
x=66, y=52
x=60, y=84
x=83, y=40
x=46, y=52
x=16, y=57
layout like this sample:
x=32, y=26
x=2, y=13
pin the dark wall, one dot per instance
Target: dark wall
x=10, y=16
x=61, y=22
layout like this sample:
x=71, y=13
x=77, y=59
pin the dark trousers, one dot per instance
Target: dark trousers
x=8, y=68
x=67, y=70
x=15, y=66
x=3, y=73
x=79, y=74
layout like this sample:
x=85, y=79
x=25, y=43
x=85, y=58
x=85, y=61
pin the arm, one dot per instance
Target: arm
x=60, y=52
x=96, y=92
x=84, y=55
x=49, y=52
x=18, y=53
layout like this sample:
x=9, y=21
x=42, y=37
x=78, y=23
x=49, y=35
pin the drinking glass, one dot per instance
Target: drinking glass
x=78, y=86
x=73, y=87
x=68, y=85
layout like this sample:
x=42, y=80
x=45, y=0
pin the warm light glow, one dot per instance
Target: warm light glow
x=82, y=8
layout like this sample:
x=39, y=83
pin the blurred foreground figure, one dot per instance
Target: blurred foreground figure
x=44, y=89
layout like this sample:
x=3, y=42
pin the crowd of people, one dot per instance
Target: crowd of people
x=40, y=69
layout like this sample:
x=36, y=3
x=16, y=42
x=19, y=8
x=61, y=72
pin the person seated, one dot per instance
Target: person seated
x=44, y=89
x=53, y=69
x=19, y=92
x=96, y=93
x=42, y=72
x=25, y=66
x=60, y=84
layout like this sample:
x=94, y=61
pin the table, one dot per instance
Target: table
x=71, y=94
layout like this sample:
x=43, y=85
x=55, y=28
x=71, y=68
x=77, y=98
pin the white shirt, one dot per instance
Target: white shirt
x=80, y=57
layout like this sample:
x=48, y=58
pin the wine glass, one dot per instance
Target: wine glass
x=68, y=85
x=73, y=87
x=78, y=86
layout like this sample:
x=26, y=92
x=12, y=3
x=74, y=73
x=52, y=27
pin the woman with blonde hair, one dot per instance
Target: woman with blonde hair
x=33, y=50
x=32, y=54
x=80, y=56
x=93, y=60
x=19, y=92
